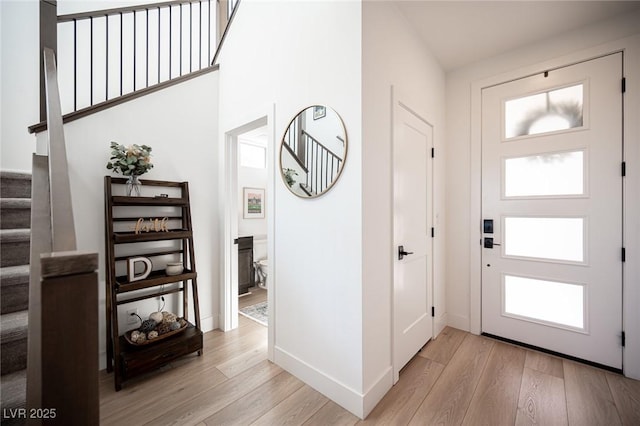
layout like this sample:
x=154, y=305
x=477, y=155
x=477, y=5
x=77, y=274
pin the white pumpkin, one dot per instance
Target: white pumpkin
x=156, y=316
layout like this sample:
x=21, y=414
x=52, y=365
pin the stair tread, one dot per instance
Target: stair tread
x=15, y=203
x=8, y=174
x=15, y=235
x=13, y=275
x=14, y=389
x=15, y=184
x=13, y=326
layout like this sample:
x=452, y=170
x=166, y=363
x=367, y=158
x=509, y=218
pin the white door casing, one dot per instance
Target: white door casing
x=258, y=117
x=412, y=222
x=563, y=220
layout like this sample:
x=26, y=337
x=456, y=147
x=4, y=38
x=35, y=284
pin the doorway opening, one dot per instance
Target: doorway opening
x=247, y=244
x=251, y=190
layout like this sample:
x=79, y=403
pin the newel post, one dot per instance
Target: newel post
x=69, y=322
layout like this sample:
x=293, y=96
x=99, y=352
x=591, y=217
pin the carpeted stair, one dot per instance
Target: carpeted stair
x=15, y=217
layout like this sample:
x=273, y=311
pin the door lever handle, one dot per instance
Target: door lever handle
x=488, y=243
x=402, y=253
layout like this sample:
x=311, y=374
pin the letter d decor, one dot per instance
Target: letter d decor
x=131, y=268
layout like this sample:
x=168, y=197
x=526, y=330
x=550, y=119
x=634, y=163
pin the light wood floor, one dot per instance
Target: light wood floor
x=457, y=379
x=257, y=295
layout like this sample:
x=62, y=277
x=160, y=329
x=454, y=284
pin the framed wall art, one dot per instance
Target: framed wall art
x=319, y=111
x=253, y=202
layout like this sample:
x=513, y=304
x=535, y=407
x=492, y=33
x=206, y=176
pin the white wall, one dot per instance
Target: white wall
x=19, y=83
x=325, y=130
x=180, y=124
x=333, y=298
x=393, y=56
x=462, y=178
x=266, y=61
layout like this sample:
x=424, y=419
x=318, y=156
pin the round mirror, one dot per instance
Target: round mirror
x=313, y=151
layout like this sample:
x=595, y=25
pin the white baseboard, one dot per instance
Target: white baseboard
x=458, y=321
x=377, y=391
x=210, y=323
x=338, y=392
x=441, y=321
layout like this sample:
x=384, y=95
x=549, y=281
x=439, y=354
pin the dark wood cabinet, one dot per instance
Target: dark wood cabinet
x=131, y=231
x=246, y=272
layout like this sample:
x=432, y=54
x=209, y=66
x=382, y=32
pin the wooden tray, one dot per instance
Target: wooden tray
x=127, y=335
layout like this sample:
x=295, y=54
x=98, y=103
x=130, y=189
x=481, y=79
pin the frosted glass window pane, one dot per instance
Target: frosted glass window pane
x=554, y=238
x=558, y=109
x=547, y=174
x=549, y=301
x=252, y=156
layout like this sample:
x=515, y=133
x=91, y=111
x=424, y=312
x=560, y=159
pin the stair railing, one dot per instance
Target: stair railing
x=320, y=164
x=292, y=144
x=62, y=360
x=110, y=56
x=113, y=52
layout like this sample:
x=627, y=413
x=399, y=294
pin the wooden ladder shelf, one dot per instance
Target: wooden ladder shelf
x=124, y=239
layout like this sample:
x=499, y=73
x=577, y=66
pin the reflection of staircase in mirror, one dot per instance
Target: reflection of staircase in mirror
x=320, y=165
x=307, y=189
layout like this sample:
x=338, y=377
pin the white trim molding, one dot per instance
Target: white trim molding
x=228, y=318
x=360, y=404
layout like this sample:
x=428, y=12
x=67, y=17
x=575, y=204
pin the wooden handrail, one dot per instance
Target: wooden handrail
x=76, y=115
x=295, y=156
x=227, y=24
x=118, y=10
x=320, y=143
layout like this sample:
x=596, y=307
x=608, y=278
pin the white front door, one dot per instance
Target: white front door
x=552, y=207
x=412, y=219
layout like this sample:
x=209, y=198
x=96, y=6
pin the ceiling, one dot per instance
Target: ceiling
x=256, y=136
x=459, y=33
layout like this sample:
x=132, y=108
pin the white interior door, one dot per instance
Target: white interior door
x=412, y=221
x=552, y=187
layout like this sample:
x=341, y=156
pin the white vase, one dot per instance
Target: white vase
x=174, y=268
